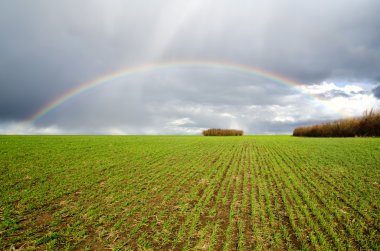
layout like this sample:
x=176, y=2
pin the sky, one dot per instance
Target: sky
x=325, y=54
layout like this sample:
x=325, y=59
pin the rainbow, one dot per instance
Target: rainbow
x=81, y=88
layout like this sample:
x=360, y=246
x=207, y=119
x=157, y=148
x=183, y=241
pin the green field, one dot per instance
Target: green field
x=189, y=193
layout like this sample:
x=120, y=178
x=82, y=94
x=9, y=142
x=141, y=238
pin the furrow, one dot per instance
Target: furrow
x=245, y=227
x=226, y=204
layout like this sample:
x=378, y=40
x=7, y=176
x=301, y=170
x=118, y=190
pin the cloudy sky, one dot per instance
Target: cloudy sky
x=331, y=48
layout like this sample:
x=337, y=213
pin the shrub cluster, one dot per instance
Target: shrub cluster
x=367, y=125
x=222, y=132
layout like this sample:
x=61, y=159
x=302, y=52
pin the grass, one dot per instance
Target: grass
x=189, y=192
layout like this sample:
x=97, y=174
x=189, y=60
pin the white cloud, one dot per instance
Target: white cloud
x=227, y=115
x=22, y=128
x=283, y=119
x=115, y=131
x=349, y=100
x=180, y=122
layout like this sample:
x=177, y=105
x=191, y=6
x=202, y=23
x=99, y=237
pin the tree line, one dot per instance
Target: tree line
x=222, y=132
x=365, y=126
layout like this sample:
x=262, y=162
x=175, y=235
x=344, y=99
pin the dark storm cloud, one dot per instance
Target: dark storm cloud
x=376, y=92
x=213, y=87
x=49, y=47
x=308, y=42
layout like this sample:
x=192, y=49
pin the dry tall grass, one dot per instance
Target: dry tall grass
x=366, y=126
x=222, y=132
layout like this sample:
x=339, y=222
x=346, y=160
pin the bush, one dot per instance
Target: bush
x=222, y=132
x=367, y=125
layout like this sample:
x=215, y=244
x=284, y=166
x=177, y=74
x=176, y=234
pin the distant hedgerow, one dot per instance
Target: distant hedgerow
x=222, y=132
x=367, y=125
